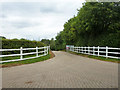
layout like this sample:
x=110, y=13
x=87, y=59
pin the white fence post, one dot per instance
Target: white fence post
x=70, y=48
x=106, y=51
x=36, y=51
x=47, y=49
x=44, y=50
x=98, y=51
x=82, y=49
x=73, y=48
x=77, y=50
x=21, y=52
x=85, y=50
x=93, y=50
x=88, y=50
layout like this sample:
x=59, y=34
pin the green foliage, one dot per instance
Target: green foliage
x=52, y=44
x=2, y=37
x=96, y=24
x=49, y=42
x=12, y=44
x=22, y=39
x=16, y=44
x=46, y=41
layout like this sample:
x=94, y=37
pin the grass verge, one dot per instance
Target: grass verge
x=29, y=61
x=97, y=58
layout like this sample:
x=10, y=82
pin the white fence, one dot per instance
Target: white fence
x=43, y=53
x=107, y=52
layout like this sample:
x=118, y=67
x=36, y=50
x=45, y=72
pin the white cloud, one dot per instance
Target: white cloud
x=36, y=20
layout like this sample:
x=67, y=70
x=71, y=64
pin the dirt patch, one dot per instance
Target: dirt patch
x=28, y=82
x=52, y=54
x=10, y=65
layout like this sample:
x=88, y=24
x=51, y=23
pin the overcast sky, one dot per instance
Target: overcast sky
x=36, y=20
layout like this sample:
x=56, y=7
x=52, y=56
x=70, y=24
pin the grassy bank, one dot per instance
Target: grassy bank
x=97, y=58
x=9, y=64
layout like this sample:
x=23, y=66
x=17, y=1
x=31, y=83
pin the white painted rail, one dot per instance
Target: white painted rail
x=108, y=52
x=44, y=49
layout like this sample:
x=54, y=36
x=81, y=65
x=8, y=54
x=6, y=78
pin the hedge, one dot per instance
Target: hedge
x=16, y=44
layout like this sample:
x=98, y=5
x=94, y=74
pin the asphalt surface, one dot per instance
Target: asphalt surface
x=65, y=70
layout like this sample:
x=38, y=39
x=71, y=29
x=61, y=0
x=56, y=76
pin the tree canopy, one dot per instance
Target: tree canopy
x=96, y=24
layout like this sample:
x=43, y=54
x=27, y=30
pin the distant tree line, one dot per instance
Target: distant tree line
x=49, y=42
x=96, y=24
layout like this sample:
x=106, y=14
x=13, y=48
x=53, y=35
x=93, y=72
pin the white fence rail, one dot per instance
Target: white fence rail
x=107, y=52
x=44, y=52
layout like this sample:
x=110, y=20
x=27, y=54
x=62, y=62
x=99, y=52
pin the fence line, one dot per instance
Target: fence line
x=44, y=51
x=107, y=52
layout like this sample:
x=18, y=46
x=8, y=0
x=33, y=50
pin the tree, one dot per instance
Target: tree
x=52, y=44
x=46, y=41
x=2, y=37
x=97, y=23
x=23, y=39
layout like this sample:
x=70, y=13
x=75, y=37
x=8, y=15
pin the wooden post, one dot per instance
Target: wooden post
x=21, y=52
x=36, y=51
x=106, y=51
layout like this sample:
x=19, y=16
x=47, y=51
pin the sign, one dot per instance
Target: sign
x=69, y=47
